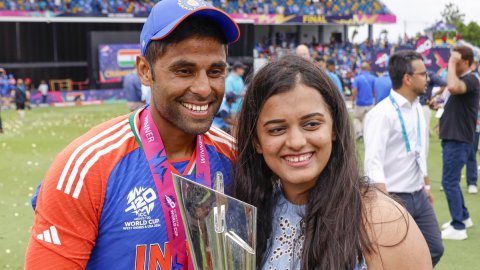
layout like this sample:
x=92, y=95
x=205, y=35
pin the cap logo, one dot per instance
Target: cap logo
x=191, y=4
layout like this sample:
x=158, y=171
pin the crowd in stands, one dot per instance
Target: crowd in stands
x=143, y=7
x=300, y=7
x=81, y=7
x=347, y=56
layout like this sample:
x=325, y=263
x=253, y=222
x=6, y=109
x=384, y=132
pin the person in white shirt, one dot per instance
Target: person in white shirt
x=43, y=88
x=394, y=136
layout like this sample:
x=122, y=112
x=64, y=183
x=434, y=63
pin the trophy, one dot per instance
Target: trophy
x=221, y=230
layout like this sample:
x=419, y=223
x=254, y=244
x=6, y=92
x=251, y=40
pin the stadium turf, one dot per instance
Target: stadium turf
x=27, y=149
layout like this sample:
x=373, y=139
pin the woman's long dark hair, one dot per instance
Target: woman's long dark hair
x=335, y=234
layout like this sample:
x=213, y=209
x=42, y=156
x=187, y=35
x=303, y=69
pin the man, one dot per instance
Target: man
x=382, y=87
x=108, y=201
x=457, y=129
x=224, y=119
x=303, y=51
x=394, y=152
x=235, y=84
x=133, y=91
x=331, y=72
x=362, y=97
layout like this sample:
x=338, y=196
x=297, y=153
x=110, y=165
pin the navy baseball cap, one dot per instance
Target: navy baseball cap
x=166, y=15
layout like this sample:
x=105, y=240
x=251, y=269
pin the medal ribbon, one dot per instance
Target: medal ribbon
x=161, y=170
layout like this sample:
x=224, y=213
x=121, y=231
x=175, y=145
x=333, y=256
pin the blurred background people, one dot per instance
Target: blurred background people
x=20, y=94
x=133, y=91
x=43, y=88
x=382, y=87
x=332, y=73
x=224, y=119
x=362, y=98
x=234, y=83
x=303, y=51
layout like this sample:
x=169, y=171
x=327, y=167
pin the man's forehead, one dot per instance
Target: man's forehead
x=419, y=65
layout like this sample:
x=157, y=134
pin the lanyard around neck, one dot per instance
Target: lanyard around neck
x=151, y=142
x=402, y=123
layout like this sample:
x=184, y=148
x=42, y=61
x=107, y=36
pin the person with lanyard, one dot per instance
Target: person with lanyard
x=108, y=201
x=297, y=165
x=394, y=139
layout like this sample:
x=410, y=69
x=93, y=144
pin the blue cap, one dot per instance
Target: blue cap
x=166, y=15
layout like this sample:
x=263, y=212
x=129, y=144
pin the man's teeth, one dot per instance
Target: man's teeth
x=299, y=158
x=196, y=108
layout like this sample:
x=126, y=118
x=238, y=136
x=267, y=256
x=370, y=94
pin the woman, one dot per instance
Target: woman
x=297, y=165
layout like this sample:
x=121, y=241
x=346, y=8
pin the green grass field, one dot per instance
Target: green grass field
x=27, y=149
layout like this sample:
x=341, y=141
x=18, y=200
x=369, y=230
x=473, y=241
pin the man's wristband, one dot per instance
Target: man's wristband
x=427, y=187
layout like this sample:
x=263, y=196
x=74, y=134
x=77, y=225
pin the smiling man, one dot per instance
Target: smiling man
x=108, y=199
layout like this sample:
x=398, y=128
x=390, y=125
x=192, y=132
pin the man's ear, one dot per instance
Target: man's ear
x=406, y=80
x=143, y=71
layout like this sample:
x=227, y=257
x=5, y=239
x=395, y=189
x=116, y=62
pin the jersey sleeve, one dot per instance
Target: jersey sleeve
x=71, y=197
x=65, y=228
x=224, y=143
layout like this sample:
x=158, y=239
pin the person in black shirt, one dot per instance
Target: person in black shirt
x=457, y=129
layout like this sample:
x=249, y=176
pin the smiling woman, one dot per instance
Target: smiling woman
x=297, y=165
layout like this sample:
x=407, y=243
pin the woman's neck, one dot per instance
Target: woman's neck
x=296, y=194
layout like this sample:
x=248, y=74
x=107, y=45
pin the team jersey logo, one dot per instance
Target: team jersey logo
x=141, y=202
x=50, y=235
x=170, y=201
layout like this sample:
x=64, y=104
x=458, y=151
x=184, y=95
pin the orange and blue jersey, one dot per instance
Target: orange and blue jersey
x=98, y=207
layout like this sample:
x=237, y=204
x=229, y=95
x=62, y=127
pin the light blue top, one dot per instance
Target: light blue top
x=234, y=83
x=287, y=237
x=336, y=80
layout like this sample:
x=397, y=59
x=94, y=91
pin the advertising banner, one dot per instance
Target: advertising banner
x=380, y=61
x=434, y=58
x=354, y=19
x=116, y=61
x=67, y=98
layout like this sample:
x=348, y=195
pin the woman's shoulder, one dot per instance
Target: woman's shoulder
x=396, y=239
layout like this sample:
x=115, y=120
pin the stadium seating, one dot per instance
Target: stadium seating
x=143, y=7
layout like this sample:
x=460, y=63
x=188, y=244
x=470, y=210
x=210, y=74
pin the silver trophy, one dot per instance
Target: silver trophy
x=221, y=230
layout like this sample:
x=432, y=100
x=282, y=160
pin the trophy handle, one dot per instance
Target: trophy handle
x=219, y=218
x=218, y=182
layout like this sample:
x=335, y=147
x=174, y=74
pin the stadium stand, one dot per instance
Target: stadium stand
x=142, y=8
